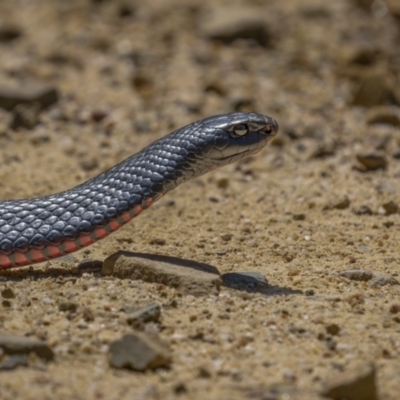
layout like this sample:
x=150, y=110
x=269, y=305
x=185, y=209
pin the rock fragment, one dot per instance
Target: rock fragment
x=7, y=293
x=14, y=362
x=243, y=23
x=376, y=279
x=381, y=279
x=384, y=115
x=358, y=384
x=390, y=207
x=372, y=161
x=25, y=116
x=356, y=275
x=142, y=315
x=9, y=32
x=333, y=329
x=373, y=90
x=362, y=210
x=68, y=306
x=188, y=277
x=29, y=93
x=338, y=203
x=138, y=352
x=12, y=344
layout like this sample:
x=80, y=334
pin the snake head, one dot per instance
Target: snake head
x=231, y=137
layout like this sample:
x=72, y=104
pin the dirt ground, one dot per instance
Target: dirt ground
x=316, y=212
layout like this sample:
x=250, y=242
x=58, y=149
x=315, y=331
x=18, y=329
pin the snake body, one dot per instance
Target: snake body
x=43, y=228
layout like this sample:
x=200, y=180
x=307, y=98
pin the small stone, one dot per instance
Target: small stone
x=384, y=115
x=180, y=388
x=299, y=217
x=333, y=329
x=68, y=306
x=372, y=161
x=25, y=116
x=158, y=241
x=358, y=384
x=9, y=33
x=87, y=314
x=339, y=203
x=373, y=90
x=12, y=344
x=390, y=207
x=89, y=164
x=309, y=292
x=362, y=210
x=27, y=93
x=7, y=293
x=243, y=23
x=204, y=372
x=245, y=280
x=6, y=303
x=149, y=313
x=394, y=308
x=188, y=277
x=138, y=352
x=381, y=279
x=223, y=182
x=226, y=237
x=14, y=361
x=356, y=275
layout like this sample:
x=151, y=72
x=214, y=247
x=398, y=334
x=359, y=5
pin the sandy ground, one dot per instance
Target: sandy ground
x=300, y=212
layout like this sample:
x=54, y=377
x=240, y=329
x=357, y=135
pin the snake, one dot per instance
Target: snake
x=43, y=228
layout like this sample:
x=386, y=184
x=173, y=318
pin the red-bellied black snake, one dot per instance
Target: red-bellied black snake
x=35, y=230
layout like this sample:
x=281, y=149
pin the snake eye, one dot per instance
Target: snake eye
x=241, y=130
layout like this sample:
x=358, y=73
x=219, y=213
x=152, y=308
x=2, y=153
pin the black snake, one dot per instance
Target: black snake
x=35, y=230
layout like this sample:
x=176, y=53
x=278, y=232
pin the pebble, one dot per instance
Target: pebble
x=7, y=293
x=373, y=90
x=376, y=279
x=222, y=182
x=243, y=23
x=187, y=277
x=13, y=344
x=362, y=210
x=245, y=280
x=299, y=217
x=394, y=308
x=142, y=315
x=356, y=384
x=333, y=329
x=25, y=116
x=158, y=241
x=381, y=279
x=138, y=352
x=356, y=275
x=89, y=164
x=372, y=161
x=226, y=237
x=68, y=306
x=390, y=207
x=384, y=115
x=27, y=93
x=338, y=203
x=13, y=362
x=9, y=32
